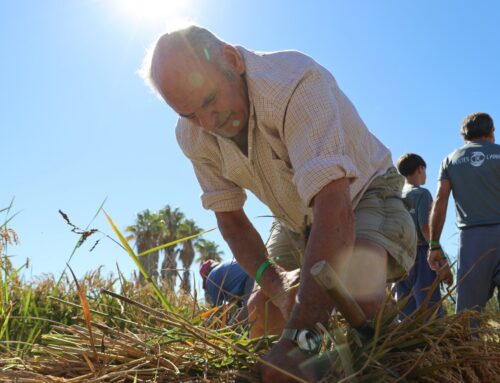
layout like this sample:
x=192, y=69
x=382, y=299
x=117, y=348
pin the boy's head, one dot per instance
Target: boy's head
x=413, y=166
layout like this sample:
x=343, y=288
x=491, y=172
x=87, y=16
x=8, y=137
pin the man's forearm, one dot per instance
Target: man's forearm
x=437, y=218
x=248, y=248
x=332, y=239
x=438, y=211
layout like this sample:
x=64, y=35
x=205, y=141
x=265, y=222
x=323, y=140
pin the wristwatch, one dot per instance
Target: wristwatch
x=308, y=340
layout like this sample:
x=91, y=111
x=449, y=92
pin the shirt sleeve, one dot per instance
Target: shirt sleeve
x=314, y=135
x=218, y=193
x=443, y=170
x=424, y=207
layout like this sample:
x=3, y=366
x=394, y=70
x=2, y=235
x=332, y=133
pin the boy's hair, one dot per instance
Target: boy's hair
x=476, y=125
x=408, y=163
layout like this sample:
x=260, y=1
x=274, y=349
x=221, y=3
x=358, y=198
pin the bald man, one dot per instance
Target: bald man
x=279, y=126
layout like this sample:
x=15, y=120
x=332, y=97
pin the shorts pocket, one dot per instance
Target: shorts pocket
x=397, y=224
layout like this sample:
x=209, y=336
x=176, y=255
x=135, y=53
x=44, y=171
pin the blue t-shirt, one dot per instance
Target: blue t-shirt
x=421, y=201
x=226, y=282
x=474, y=174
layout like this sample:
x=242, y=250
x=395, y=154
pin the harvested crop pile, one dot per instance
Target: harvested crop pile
x=164, y=346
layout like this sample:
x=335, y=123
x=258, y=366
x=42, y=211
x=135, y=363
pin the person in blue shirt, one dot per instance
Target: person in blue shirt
x=472, y=174
x=225, y=282
x=420, y=278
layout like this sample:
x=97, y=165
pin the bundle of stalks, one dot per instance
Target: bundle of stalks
x=164, y=346
x=421, y=348
x=150, y=334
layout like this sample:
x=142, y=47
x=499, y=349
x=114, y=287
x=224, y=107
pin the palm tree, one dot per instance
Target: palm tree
x=187, y=252
x=208, y=250
x=171, y=221
x=146, y=233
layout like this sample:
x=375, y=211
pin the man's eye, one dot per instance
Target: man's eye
x=211, y=100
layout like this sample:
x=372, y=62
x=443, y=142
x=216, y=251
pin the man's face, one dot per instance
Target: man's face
x=212, y=97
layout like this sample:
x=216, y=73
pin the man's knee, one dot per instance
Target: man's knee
x=365, y=271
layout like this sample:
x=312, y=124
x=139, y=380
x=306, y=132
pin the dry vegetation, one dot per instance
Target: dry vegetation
x=110, y=329
x=131, y=337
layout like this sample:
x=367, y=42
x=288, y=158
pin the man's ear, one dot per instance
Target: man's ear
x=234, y=58
x=491, y=136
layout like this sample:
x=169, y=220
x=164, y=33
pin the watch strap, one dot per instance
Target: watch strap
x=290, y=333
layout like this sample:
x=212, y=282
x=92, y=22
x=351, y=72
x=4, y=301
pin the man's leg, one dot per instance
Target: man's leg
x=284, y=248
x=478, y=263
x=381, y=217
x=364, y=275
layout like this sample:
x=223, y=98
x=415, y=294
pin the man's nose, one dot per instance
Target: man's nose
x=207, y=119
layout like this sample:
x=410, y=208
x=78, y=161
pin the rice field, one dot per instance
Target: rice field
x=109, y=328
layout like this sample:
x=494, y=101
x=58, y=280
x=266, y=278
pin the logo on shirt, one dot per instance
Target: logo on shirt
x=477, y=159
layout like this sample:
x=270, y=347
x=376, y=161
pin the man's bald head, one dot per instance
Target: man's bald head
x=201, y=78
x=195, y=42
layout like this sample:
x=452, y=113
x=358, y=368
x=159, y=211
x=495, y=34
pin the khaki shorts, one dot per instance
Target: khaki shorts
x=381, y=217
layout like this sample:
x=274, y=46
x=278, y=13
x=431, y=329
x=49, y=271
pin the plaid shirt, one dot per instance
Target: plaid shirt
x=303, y=133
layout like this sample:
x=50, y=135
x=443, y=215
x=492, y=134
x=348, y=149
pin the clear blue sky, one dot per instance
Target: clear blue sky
x=78, y=125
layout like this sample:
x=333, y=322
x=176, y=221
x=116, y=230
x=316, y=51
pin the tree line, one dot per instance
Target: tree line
x=153, y=229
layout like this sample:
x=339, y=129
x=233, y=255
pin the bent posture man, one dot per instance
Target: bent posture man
x=226, y=282
x=472, y=173
x=278, y=125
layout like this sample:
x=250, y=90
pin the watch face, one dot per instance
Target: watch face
x=308, y=340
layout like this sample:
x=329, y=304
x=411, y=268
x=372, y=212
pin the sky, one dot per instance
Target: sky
x=79, y=127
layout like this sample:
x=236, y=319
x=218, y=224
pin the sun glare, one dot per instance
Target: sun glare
x=169, y=11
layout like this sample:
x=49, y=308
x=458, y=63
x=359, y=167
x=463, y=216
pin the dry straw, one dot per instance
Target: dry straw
x=166, y=346
x=146, y=334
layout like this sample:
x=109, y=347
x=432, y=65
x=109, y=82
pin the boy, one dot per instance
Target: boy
x=421, y=277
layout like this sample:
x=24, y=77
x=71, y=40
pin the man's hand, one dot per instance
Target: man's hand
x=269, y=310
x=286, y=356
x=438, y=262
x=435, y=259
x=445, y=275
x=285, y=297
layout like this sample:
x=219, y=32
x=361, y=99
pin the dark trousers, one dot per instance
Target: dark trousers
x=418, y=285
x=478, y=266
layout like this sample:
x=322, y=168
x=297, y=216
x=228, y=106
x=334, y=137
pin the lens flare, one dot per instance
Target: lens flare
x=150, y=11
